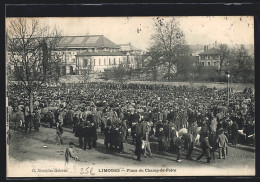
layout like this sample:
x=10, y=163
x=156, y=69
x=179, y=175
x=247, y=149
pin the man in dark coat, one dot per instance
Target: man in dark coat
x=103, y=123
x=28, y=122
x=120, y=133
x=107, y=141
x=79, y=132
x=205, y=148
x=170, y=116
x=86, y=133
x=70, y=115
x=92, y=140
x=50, y=118
x=213, y=143
x=162, y=140
x=36, y=120
x=138, y=136
x=234, y=133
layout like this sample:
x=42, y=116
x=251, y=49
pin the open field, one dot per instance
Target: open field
x=237, y=87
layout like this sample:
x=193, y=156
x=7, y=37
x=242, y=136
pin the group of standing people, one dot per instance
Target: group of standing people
x=177, y=116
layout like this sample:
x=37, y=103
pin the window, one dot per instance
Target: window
x=99, y=61
x=208, y=63
x=119, y=61
x=109, y=62
x=114, y=61
x=202, y=63
x=214, y=63
x=104, y=61
x=85, y=63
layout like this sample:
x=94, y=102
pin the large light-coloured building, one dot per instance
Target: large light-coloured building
x=87, y=53
x=210, y=57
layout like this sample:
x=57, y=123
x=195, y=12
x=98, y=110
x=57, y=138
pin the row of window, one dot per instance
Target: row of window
x=100, y=62
x=209, y=57
x=89, y=50
x=209, y=63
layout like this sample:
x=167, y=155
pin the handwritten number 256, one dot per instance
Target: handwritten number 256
x=86, y=171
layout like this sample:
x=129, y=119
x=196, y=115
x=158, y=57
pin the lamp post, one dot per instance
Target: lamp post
x=228, y=75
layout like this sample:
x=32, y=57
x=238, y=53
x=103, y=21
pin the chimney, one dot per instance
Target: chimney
x=205, y=47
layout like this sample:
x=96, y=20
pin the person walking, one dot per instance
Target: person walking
x=205, y=148
x=59, y=132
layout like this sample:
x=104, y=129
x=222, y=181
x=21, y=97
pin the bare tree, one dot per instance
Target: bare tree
x=241, y=65
x=170, y=39
x=154, y=60
x=224, y=56
x=30, y=48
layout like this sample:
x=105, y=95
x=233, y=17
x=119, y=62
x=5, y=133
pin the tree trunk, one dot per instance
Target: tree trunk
x=169, y=71
x=31, y=102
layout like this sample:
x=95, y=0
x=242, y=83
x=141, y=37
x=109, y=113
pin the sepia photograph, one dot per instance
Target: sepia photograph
x=130, y=96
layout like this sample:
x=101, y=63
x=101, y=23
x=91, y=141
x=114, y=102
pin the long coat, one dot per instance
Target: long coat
x=222, y=140
x=108, y=135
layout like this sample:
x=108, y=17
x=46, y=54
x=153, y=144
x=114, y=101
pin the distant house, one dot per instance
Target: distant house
x=98, y=61
x=210, y=57
x=134, y=55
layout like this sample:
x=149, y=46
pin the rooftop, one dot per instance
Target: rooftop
x=212, y=51
x=86, y=41
x=100, y=53
x=128, y=47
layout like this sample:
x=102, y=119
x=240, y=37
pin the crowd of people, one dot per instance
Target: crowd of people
x=177, y=117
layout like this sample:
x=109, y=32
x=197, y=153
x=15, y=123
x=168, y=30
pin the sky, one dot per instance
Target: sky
x=138, y=30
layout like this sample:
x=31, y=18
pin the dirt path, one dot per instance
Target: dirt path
x=27, y=152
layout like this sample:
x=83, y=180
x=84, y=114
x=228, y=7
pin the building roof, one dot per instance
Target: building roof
x=100, y=53
x=96, y=41
x=128, y=47
x=212, y=51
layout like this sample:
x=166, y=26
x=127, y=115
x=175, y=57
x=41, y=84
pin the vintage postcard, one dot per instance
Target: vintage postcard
x=130, y=96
